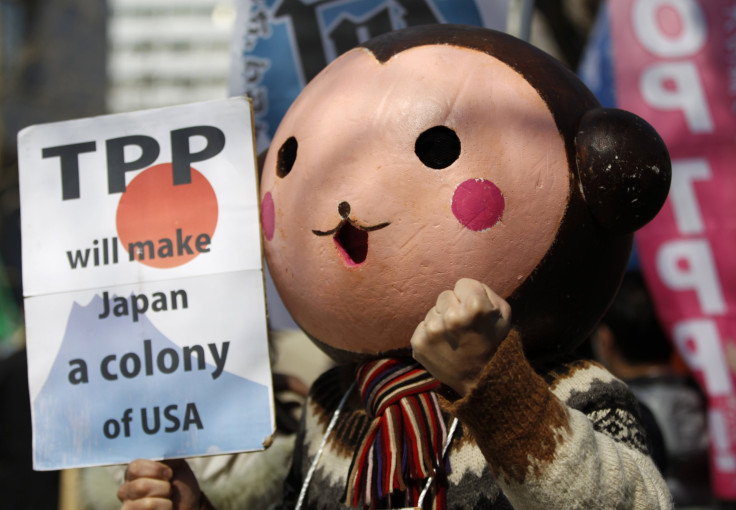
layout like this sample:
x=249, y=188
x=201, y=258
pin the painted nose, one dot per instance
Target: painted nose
x=343, y=209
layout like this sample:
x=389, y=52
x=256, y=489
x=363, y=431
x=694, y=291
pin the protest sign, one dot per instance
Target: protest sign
x=143, y=284
x=674, y=63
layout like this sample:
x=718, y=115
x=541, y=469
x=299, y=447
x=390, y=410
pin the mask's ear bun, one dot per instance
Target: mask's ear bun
x=624, y=168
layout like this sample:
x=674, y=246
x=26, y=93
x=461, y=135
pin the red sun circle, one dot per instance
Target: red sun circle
x=166, y=225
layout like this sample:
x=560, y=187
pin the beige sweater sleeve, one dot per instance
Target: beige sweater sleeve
x=547, y=455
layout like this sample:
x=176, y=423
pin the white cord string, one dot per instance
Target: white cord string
x=328, y=431
x=450, y=433
x=313, y=467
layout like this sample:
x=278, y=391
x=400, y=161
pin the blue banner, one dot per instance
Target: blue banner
x=279, y=45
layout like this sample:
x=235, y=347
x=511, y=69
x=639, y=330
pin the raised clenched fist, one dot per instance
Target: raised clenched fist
x=461, y=333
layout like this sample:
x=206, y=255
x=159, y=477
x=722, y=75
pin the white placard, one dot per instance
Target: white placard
x=143, y=282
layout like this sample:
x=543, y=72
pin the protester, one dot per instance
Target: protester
x=536, y=430
x=633, y=346
x=22, y=487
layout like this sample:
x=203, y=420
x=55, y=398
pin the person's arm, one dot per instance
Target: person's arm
x=543, y=453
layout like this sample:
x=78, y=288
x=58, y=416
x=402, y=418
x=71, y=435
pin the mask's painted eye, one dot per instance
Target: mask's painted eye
x=438, y=147
x=286, y=157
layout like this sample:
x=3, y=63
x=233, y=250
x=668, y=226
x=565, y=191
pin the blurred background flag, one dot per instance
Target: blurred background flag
x=673, y=62
x=279, y=45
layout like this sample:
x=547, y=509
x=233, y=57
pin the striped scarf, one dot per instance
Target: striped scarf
x=402, y=446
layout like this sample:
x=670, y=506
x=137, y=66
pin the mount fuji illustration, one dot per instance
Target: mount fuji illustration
x=143, y=403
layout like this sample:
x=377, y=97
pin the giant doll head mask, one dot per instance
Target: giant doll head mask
x=442, y=152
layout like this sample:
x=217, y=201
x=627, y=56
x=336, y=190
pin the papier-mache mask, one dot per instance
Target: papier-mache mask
x=440, y=152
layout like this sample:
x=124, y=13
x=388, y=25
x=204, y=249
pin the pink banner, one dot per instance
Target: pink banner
x=675, y=65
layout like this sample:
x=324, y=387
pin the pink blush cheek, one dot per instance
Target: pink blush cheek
x=268, y=216
x=478, y=204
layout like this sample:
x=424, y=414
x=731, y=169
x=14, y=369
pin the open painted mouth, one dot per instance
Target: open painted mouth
x=352, y=243
x=351, y=240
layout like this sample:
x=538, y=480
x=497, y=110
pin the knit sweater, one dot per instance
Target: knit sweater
x=567, y=437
